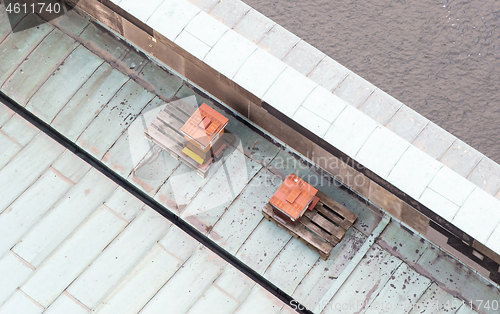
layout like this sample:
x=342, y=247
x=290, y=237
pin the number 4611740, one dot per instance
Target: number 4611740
x=39, y=7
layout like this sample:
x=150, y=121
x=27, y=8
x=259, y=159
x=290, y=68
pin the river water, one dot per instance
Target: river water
x=440, y=58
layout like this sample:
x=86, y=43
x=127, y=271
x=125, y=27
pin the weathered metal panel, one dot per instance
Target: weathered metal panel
x=324, y=273
x=9, y=149
x=235, y=226
x=73, y=256
x=124, y=204
x=30, y=207
x=214, y=300
x=179, y=243
x=43, y=239
x=132, y=145
x=40, y=64
x=291, y=265
x=17, y=46
x=260, y=301
x=86, y=104
x=436, y=300
x=99, y=279
x=263, y=245
x=66, y=81
x=19, y=303
x=400, y=292
x=13, y=272
x=156, y=167
x=364, y=284
x=71, y=166
x=26, y=167
x=141, y=283
x=229, y=180
x=235, y=283
x=66, y=304
x=20, y=130
x=114, y=119
x=188, y=284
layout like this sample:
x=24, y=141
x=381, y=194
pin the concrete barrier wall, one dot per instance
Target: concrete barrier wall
x=390, y=155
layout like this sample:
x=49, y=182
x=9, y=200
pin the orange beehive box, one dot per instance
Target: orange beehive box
x=204, y=127
x=292, y=198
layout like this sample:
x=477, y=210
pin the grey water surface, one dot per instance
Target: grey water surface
x=440, y=58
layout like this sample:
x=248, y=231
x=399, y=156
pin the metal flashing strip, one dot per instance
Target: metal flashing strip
x=354, y=262
x=146, y=199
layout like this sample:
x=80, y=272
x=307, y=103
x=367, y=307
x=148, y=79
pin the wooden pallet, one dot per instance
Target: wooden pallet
x=321, y=228
x=165, y=132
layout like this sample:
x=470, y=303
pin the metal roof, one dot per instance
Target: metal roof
x=71, y=241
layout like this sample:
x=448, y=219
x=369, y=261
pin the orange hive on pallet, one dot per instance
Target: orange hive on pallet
x=292, y=198
x=202, y=132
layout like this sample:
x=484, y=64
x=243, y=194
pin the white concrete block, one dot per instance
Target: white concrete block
x=140, y=9
x=311, y=121
x=229, y=53
x=254, y=25
x=350, y=131
x=278, y=41
x=73, y=256
x=230, y=12
x=451, y=185
x=192, y=45
x=171, y=17
x=380, y=106
x=9, y=149
x=289, y=91
x=329, y=73
x=118, y=258
x=303, y=57
x=19, y=303
x=382, y=151
x=354, y=89
x=479, y=215
x=324, y=104
x=206, y=28
x=259, y=72
x=414, y=172
x=439, y=204
x=205, y=5
x=141, y=283
x=13, y=273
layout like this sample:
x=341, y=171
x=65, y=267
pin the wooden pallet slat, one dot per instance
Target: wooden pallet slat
x=341, y=210
x=328, y=213
x=321, y=228
x=325, y=224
